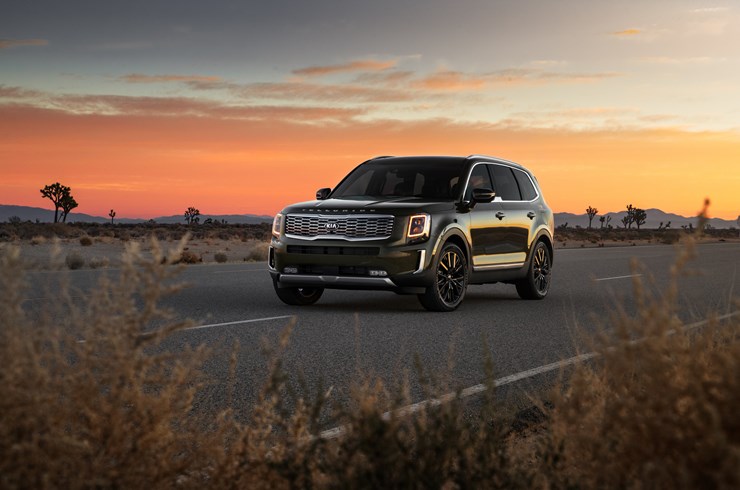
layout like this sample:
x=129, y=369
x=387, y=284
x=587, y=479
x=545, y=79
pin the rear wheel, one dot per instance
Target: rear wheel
x=450, y=280
x=298, y=296
x=537, y=283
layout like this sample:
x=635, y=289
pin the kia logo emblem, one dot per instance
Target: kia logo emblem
x=331, y=226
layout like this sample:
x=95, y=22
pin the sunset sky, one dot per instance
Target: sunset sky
x=149, y=107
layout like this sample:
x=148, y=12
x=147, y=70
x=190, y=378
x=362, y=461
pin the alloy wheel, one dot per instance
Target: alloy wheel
x=451, y=277
x=541, y=270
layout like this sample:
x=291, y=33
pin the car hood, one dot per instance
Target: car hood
x=391, y=205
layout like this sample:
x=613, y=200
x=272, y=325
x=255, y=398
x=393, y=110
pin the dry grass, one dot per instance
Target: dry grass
x=74, y=260
x=125, y=232
x=659, y=409
x=257, y=251
x=117, y=410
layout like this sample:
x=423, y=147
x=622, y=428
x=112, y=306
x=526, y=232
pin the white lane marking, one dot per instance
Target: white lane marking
x=240, y=270
x=239, y=322
x=512, y=378
x=225, y=324
x=617, y=277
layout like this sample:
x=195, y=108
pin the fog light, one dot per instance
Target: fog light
x=377, y=273
x=290, y=270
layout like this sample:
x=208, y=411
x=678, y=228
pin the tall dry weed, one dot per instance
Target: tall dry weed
x=659, y=407
x=110, y=411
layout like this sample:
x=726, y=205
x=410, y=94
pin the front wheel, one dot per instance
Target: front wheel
x=537, y=283
x=450, y=280
x=298, y=296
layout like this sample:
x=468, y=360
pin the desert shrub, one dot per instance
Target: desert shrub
x=188, y=257
x=670, y=237
x=658, y=409
x=220, y=257
x=109, y=412
x=38, y=240
x=86, y=241
x=257, y=251
x=74, y=260
x=98, y=262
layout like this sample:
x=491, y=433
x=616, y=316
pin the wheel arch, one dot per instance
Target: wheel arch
x=545, y=237
x=457, y=236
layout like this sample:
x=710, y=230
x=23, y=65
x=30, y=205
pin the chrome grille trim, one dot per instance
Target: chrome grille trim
x=351, y=227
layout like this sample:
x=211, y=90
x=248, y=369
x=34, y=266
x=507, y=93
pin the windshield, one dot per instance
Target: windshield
x=424, y=179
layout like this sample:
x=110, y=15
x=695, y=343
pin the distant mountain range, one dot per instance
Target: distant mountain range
x=47, y=216
x=654, y=218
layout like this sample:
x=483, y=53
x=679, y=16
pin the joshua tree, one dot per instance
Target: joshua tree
x=68, y=204
x=57, y=193
x=630, y=218
x=639, y=216
x=112, y=215
x=192, y=215
x=591, y=212
x=602, y=220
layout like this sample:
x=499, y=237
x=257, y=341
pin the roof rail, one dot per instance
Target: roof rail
x=383, y=156
x=495, y=159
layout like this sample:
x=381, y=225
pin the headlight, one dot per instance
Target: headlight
x=277, y=223
x=419, y=225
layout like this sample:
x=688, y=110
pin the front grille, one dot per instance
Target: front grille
x=312, y=250
x=340, y=227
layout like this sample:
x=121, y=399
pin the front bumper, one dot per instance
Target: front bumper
x=335, y=264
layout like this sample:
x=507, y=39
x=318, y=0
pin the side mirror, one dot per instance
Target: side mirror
x=323, y=193
x=483, y=195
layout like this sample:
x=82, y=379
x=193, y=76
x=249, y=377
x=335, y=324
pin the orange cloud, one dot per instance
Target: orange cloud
x=628, y=32
x=12, y=43
x=291, y=91
x=447, y=80
x=175, y=106
x=357, y=65
x=140, y=78
x=451, y=80
x=147, y=165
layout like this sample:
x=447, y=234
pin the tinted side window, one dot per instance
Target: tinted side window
x=504, y=183
x=479, y=179
x=525, y=185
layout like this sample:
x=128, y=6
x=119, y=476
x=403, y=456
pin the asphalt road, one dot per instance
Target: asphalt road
x=351, y=334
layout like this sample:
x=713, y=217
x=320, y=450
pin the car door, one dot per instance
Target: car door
x=513, y=218
x=482, y=217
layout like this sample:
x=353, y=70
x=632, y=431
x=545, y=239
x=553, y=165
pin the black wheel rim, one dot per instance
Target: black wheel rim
x=541, y=270
x=451, y=277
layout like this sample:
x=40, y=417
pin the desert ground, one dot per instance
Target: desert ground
x=91, y=246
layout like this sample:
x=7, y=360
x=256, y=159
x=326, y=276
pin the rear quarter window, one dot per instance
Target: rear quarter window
x=525, y=185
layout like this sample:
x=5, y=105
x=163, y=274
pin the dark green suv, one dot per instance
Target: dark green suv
x=428, y=226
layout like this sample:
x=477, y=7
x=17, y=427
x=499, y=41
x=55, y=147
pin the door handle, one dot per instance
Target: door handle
x=500, y=215
x=531, y=215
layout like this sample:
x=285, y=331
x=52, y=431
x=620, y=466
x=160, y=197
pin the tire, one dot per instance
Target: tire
x=450, y=280
x=537, y=283
x=298, y=296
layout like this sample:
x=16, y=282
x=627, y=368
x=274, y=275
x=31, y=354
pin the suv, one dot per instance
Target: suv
x=428, y=226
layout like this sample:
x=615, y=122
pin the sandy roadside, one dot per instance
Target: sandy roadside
x=107, y=252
